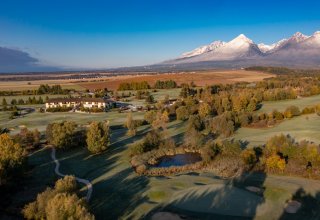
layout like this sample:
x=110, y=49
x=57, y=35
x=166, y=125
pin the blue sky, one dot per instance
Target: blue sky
x=112, y=33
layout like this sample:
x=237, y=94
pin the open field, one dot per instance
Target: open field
x=199, y=78
x=24, y=85
x=26, y=97
x=282, y=105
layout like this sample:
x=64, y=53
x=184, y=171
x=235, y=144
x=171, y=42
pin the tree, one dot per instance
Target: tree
x=60, y=202
x=66, y=206
x=4, y=102
x=150, y=99
x=152, y=140
x=194, y=122
x=193, y=138
x=204, y=110
x=182, y=113
x=161, y=120
x=98, y=137
x=150, y=116
x=12, y=156
x=27, y=138
x=62, y=135
x=275, y=162
x=249, y=157
x=131, y=125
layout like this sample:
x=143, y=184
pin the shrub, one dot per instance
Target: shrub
x=292, y=111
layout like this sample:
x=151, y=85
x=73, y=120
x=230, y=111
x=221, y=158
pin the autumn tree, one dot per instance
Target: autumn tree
x=150, y=116
x=12, y=156
x=60, y=202
x=27, y=138
x=204, y=110
x=182, y=113
x=130, y=124
x=98, y=137
x=62, y=135
x=161, y=120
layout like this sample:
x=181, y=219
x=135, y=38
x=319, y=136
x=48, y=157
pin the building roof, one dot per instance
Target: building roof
x=76, y=100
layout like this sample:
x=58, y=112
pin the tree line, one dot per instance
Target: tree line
x=43, y=89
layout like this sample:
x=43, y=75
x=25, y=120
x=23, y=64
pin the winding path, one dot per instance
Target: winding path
x=84, y=181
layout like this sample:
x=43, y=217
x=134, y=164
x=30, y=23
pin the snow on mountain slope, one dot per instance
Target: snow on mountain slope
x=269, y=48
x=203, y=49
x=299, y=48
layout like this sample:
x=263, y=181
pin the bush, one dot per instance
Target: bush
x=292, y=111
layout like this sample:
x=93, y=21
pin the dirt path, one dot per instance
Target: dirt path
x=57, y=171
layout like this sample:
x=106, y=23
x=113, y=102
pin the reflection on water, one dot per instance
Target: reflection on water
x=178, y=160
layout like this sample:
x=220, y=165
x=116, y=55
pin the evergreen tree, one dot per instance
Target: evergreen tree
x=98, y=137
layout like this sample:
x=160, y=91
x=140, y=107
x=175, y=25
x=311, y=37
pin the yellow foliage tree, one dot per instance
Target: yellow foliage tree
x=275, y=162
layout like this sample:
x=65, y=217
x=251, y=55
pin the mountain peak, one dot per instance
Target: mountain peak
x=243, y=37
x=298, y=37
x=317, y=33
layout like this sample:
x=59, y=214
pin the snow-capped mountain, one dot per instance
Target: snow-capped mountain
x=269, y=48
x=296, y=50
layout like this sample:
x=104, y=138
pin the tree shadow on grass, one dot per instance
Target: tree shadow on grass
x=117, y=196
x=232, y=200
x=310, y=206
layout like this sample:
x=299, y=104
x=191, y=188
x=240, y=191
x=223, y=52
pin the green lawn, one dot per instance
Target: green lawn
x=118, y=191
x=282, y=105
x=303, y=127
x=41, y=120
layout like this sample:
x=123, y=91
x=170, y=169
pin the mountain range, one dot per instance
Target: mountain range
x=298, y=50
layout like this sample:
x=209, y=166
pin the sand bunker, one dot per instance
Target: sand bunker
x=253, y=189
x=165, y=216
x=292, y=206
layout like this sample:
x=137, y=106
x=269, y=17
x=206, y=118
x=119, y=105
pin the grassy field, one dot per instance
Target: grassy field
x=25, y=85
x=41, y=120
x=282, y=105
x=118, y=191
x=26, y=97
x=303, y=127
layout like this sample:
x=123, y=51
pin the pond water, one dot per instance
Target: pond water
x=178, y=160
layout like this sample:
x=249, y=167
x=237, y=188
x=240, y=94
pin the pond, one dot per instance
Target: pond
x=178, y=160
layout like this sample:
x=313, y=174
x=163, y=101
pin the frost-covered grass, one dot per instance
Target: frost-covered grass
x=282, y=105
